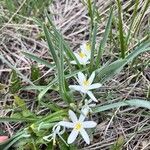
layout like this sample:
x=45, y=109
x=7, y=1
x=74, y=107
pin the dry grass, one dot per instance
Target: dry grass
x=70, y=16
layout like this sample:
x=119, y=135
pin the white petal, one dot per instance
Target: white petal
x=83, y=47
x=66, y=124
x=95, y=86
x=73, y=62
x=78, y=88
x=81, y=77
x=85, y=136
x=85, y=110
x=72, y=116
x=73, y=135
x=82, y=117
x=92, y=96
x=91, y=78
x=78, y=57
x=89, y=124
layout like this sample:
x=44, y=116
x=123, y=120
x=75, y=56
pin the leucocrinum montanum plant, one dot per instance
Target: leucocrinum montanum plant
x=77, y=77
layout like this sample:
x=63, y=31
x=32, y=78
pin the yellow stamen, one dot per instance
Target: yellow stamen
x=78, y=126
x=88, y=46
x=81, y=54
x=85, y=82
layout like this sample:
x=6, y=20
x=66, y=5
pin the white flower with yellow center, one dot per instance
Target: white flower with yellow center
x=55, y=131
x=78, y=126
x=86, y=48
x=85, y=86
x=81, y=57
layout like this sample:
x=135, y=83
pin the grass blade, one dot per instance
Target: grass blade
x=93, y=47
x=38, y=60
x=104, y=40
x=50, y=45
x=133, y=102
x=120, y=26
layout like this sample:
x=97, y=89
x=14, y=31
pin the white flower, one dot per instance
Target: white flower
x=86, y=48
x=78, y=126
x=55, y=131
x=81, y=57
x=85, y=86
x=86, y=108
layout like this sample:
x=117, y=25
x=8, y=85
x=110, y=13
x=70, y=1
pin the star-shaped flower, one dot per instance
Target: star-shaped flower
x=78, y=126
x=86, y=48
x=85, y=85
x=81, y=57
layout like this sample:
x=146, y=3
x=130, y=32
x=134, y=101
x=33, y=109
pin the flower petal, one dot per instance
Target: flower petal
x=85, y=110
x=73, y=62
x=85, y=136
x=95, y=86
x=81, y=77
x=66, y=124
x=73, y=135
x=92, y=96
x=91, y=78
x=73, y=116
x=89, y=124
x=82, y=116
x=78, y=88
x=83, y=47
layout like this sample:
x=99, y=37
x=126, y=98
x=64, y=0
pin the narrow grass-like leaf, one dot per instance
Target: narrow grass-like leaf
x=57, y=36
x=61, y=76
x=132, y=22
x=93, y=47
x=140, y=17
x=10, y=5
x=121, y=32
x=104, y=40
x=50, y=45
x=107, y=72
x=133, y=102
x=15, y=84
x=38, y=60
x=6, y=119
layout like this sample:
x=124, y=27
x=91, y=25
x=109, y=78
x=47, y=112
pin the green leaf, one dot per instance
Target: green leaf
x=15, y=84
x=10, y=5
x=93, y=47
x=38, y=60
x=121, y=32
x=108, y=71
x=23, y=119
x=35, y=73
x=133, y=102
x=118, y=144
x=50, y=45
x=104, y=40
x=20, y=102
x=56, y=36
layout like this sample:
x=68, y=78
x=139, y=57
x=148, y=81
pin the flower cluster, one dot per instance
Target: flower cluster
x=85, y=85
